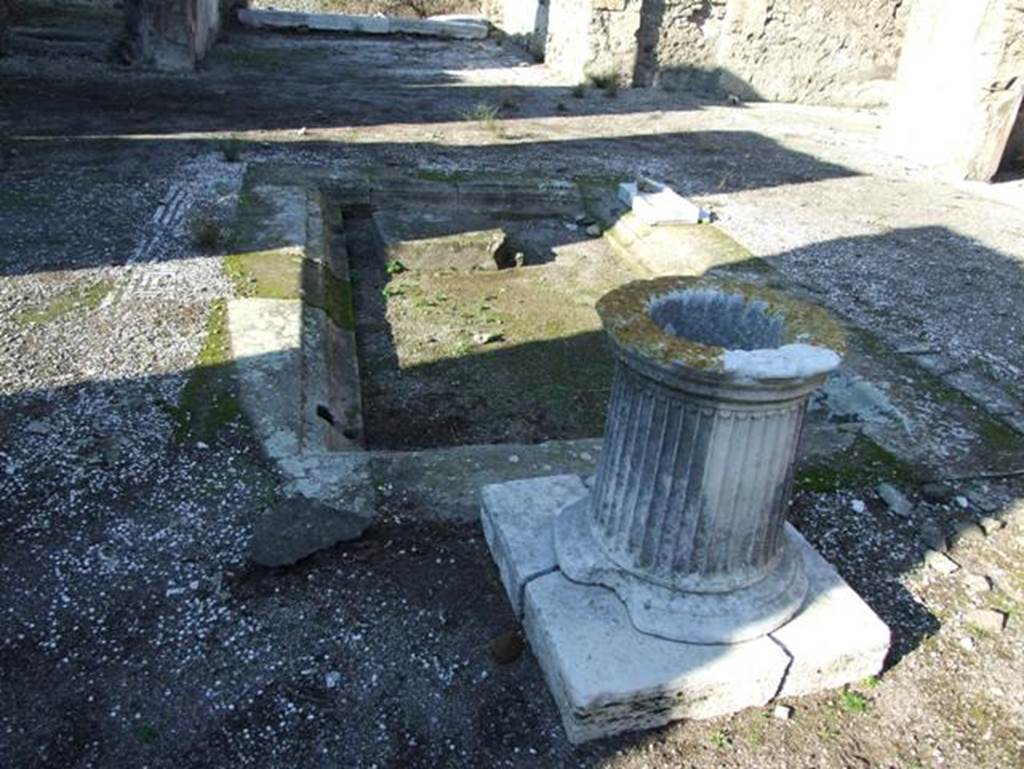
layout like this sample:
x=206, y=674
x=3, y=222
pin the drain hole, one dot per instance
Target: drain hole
x=325, y=414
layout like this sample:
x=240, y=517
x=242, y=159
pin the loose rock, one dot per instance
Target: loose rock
x=937, y=492
x=990, y=525
x=37, y=427
x=977, y=583
x=507, y=647
x=988, y=620
x=782, y=712
x=968, y=531
x=941, y=562
x=484, y=337
x=297, y=527
x=895, y=499
x=933, y=538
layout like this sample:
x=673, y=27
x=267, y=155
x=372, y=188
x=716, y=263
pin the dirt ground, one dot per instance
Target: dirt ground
x=132, y=630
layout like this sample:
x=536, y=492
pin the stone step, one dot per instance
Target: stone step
x=454, y=27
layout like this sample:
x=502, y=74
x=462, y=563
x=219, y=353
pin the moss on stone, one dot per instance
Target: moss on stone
x=273, y=274
x=334, y=297
x=1000, y=438
x=208, y=402
x=77, y=297
x=864, y=464
x=628, y=322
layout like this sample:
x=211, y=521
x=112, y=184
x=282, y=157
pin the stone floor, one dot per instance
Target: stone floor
x=134, y=632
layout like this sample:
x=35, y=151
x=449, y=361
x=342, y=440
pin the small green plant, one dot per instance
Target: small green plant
x=828, y=732
x=486, y=114
x=207, y=233
x=719, y=739
x=854, y=702
x=77, y=297
x=390, y=291
x=870, y=682
x=579, y=90
x=146, y=734
x=607, y=82
x=231, y=149
x=395, y=267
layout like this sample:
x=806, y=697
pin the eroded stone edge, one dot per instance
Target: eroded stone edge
x=794, y=674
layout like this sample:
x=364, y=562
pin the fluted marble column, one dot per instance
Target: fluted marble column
x=685, y=522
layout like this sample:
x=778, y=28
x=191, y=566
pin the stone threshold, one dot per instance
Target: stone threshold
x=446, y=27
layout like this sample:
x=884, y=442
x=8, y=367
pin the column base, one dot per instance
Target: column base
x=701, y=618
x=607, y=677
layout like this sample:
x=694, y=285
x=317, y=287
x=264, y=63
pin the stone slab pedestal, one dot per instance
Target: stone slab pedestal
x=607, y=678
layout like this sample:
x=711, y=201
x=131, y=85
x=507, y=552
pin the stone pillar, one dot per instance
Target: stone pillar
x=170, y=35
x=959, y=85
x=685, y=521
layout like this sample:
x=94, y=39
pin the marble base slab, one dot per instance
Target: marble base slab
x=606, y=677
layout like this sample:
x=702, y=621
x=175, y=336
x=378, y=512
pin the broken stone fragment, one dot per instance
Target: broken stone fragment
x=507, y=647
x=464, y=251
x=933, y=538
x=968, y=531
x=941, y=562
x=977, y=583
x=296, y=527
x=990, y=525
x=987, y=620
x=487, y=337
x=937, y=492
x=895, y=499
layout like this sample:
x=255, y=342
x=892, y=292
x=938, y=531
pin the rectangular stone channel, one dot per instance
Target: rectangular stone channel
x=474, y=314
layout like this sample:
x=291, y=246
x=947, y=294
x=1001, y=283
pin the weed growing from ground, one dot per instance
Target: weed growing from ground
x=854, y=702
x=231, y=149
x=486, y=114
x=207, y=232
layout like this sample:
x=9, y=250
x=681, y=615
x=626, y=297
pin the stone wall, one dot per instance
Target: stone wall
x=525, y=21
x=1013, y=158
x=171, y=34
x=814, y=51
x=960, y=86
x=594, y=38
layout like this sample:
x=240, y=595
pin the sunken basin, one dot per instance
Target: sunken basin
x=685, y=521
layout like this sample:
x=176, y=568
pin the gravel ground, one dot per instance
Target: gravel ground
x=132, y=631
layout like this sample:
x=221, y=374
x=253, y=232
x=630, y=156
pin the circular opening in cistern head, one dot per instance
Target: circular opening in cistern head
x=717, y=319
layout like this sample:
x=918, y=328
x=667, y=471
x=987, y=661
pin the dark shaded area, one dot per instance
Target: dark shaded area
x=233, y=671
x=377, y=90
x=496, y=391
